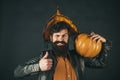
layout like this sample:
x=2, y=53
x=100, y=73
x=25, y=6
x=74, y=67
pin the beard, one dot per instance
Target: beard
x=60, y=50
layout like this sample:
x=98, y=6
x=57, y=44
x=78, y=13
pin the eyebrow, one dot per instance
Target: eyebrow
x=62, y=34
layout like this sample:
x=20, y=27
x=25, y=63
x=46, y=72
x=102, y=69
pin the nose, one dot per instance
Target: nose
x=60, y=38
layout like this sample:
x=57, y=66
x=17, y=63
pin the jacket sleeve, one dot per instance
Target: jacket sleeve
x=100, y=60
x=28, y=68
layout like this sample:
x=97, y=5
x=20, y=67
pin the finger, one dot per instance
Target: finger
x=48, y=64
x=49, y=67
x=92, y=33
x=45, y=56
x=49, y=61
x=99, y=40
x=102, y=39
x=94, y=36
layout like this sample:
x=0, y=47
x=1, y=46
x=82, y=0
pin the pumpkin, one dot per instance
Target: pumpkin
x=87, y=47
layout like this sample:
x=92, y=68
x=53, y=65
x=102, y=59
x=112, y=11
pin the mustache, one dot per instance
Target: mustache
x=62, y=42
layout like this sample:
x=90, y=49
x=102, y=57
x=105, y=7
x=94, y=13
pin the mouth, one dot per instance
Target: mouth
x=60, y=44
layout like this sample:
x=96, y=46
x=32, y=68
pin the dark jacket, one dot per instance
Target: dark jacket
x=78, y=62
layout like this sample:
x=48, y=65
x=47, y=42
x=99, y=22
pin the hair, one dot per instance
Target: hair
x=59, y=26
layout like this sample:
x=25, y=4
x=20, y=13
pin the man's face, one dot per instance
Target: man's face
x=61, y=36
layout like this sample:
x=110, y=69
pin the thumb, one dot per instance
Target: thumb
x=45, y=56
x=92, y=33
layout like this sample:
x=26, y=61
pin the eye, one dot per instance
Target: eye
x=65, y=36
x=57, y=36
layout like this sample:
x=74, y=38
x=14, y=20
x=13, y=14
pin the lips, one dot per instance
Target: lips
x=59, y=43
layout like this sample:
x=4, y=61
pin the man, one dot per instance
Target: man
x=60, y=63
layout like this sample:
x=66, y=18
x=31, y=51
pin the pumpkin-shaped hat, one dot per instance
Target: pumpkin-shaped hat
x=58, y=17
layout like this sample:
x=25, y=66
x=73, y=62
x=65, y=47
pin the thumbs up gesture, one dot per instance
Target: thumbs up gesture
x=45, y=63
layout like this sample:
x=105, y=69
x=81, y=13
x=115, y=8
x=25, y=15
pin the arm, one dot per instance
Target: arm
x=29, y=68
x=34, y=66
x=101, y=59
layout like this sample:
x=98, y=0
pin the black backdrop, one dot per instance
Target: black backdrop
x=22, y=22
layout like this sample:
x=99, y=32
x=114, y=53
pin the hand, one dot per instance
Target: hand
x=45, y=63
x=97, y=37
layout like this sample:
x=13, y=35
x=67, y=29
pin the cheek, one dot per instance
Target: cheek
x=66, y=40
x=52, y=39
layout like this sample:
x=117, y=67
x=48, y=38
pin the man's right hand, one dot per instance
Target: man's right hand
x=45, y=63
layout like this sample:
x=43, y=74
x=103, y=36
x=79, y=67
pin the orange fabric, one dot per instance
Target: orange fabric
x=64, y=70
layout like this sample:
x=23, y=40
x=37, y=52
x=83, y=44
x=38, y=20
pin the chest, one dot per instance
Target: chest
x=64, y=70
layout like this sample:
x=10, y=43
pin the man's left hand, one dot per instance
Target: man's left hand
x=97, y=37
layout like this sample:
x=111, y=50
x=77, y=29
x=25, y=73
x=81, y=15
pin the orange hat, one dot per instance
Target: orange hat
x=58, y=17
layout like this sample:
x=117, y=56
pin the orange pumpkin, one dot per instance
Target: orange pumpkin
x=86, y=47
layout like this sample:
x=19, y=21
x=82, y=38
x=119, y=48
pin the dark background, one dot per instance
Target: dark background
x=22, y=21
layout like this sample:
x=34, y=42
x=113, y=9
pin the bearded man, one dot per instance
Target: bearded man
x=60, y=63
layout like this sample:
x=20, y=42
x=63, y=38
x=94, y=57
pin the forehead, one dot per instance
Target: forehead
x=61, y=32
